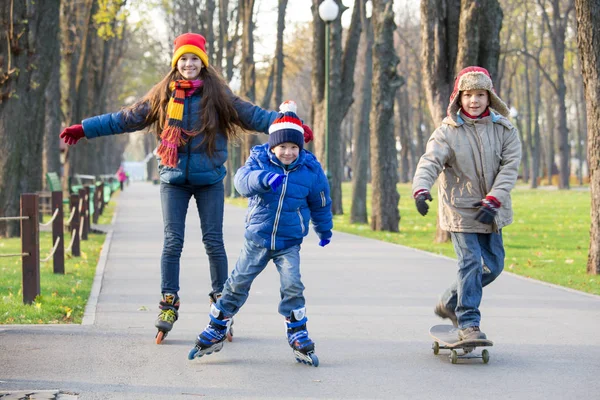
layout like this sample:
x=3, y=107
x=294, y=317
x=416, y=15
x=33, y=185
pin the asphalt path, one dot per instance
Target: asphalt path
x=369, y=305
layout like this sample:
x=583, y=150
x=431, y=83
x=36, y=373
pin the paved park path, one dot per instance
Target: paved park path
x=369, y=306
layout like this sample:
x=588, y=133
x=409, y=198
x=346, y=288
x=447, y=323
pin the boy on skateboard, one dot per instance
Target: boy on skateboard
x=476, y=153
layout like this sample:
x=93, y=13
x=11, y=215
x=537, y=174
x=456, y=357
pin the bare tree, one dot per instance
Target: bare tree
x=52, y=125
x=454, y=35
x=361, y=147
x=248, y=69
x=557, y=27
x=27, y=35
x=384, y=167
x=341, y=87
x=588, y=40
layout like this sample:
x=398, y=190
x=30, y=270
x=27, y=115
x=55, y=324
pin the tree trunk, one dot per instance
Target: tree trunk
x=209, y=30
x=223, y=28
x=52, y=123
x=341, y=87
x=279, y=58
x=28, y=37
x=360, y=150
x=588, y=40
x=384, y=167
x=248, y=71
x=454, y=35
x=557, y=29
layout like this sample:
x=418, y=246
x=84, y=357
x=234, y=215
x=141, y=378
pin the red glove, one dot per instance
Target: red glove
x=72, y=134
x=308, y=134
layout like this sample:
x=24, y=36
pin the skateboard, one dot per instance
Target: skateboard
x=446, y=337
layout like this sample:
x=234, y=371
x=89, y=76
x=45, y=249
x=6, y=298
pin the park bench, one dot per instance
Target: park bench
x=54, y=185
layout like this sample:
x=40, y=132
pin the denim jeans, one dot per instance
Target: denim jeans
x=210, y=203
x=253, y=260
x=464, y=295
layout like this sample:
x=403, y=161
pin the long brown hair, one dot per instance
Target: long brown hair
x=218, y=114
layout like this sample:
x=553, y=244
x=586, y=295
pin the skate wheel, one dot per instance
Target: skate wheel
x=436, y=348
x=315, y=359
x=454, y=357
x=485, y=355
x=230, y=335
x=192, y=353
x=160, y=336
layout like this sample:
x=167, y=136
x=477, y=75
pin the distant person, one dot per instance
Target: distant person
x=476, y=152
x=121, y=176
x=194, y=114
x=287, y=188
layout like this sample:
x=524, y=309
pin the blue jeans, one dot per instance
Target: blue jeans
x=253, y=260
x=210, y=203
x=464, y=295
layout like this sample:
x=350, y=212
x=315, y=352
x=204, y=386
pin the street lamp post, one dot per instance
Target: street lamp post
x=328, y=11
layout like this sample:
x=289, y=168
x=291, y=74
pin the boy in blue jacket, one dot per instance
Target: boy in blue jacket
x=286, y=187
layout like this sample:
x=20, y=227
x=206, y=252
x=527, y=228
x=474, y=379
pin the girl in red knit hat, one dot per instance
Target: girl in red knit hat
x=476, y=152
x=194, y=114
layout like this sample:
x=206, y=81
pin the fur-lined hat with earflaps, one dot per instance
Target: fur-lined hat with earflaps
x=475, y=78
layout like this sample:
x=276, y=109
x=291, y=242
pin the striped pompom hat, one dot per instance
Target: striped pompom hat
x=287, y=127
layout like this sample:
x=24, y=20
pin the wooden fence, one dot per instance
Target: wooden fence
x=79, y=226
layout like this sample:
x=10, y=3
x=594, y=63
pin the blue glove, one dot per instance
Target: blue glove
x=324, y=242
x=275, y=181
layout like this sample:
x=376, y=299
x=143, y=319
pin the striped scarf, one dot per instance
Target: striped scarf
x=173, y=135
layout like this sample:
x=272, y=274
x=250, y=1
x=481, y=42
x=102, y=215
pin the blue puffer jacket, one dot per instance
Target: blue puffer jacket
x=194, y=166
x=278, y=220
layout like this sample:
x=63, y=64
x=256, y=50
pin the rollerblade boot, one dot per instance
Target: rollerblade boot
x=169, y=312
x=213, y=298
x=302, y=346
x=212, y=338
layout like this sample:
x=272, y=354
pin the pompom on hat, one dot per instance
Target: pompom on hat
x=475, y=78
x=189, y=43
x=287, y=127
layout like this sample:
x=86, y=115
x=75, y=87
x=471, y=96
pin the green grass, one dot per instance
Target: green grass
x=548, y=240
x=63, y=297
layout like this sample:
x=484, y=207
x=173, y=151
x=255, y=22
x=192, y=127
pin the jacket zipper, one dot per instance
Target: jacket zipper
x=252, y=212
x=278, y=213
x=301, y=220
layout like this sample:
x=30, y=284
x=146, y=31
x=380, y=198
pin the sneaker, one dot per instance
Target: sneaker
x=471, y=333
x=443, y=312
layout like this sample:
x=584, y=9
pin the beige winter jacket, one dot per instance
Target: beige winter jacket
x=475, y=158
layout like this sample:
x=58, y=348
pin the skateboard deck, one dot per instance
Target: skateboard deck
x=446, y=337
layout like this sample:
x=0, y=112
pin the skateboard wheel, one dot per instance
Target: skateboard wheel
x=454, y=357
x=159, y=337
x=485, y=355
x=436, y=348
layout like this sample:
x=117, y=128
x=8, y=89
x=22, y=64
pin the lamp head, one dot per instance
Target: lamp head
x=328, y=10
